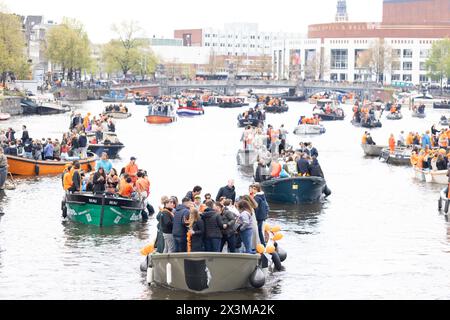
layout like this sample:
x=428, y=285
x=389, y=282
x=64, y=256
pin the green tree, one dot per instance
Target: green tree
x=12, y=48
x=128, y=53
x=68, y=46
x=438, y=63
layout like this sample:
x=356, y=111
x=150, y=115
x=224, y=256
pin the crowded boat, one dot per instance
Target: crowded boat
x=367, y=115
x=117, y=111
x=162, y=111
x=328, y=110
x=254, y=117
x=308, y=126
x=188, y=107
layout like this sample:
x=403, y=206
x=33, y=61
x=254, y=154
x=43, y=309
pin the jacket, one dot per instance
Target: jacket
x=179, y=224
x=229, y=219
x=213, y=224
x=315, y=170
x=166, y=221
x=197, y=238
x=82, y=141
x=262, y=211
x=227, y=192
x=99, y=186
x=303, y=166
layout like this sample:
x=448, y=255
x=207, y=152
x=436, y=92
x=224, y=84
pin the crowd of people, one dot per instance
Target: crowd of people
x=195, y=226
x=366, y=112
x=315, y=120
x=116, y=108
x=271, y=139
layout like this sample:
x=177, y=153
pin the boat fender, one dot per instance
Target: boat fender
x=276, y=261
x=257, y=279
x=327, y=191
x=144, y=265
x=64, y=209
x=446, y=206
x=169, y=274
x=150, y=275
x=36, y=169
x=281, y=253
x=440, y=204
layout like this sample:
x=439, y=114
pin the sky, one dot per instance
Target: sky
x=159, y=18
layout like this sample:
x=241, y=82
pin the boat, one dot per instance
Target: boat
x=232, y=102
x=249, y=121
x=400, y=157
x=276, y=109
x=441, y=105
x=248, y=158
x=419, y=115
x=161, y=113
x=184, y=111
x=444, y=202
x=101, y=210
x=29, y=106
x=52, y=108
x=210, y=101
x=335, y=114
x=444, y=121
x=4, y=116
x=394, y=116
x=306, y=129
x=372, y=150
x=295, y=190
x=432, y=176
x=109, y=144
x=204, y=272
x=29, y=167
x=294, y=98
x=367, y=124
x=118, y=97
x=142, y=101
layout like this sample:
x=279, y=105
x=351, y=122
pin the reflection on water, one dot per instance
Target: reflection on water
x=378, y=236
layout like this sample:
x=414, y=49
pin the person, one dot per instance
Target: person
x=197, y=202
x=132, y=169
x=392, y=143
x=196, y=230
x=401, y=139
x=126, y=189
x=3, y=169
x=303, y=165
x=67, y=177
x=229, y=191
x=76, y=178
x=112, y=181
x=213, y=228
x=10, y=135
x=99, y=181
x=180, y=222
x=370, y=140
x=245, y=225
x=48, y=151
x=426, y=141
x=25, y=136
x=104, y=162
x=143, y=189
x=208, y=196
x=83, y=145
x=314, y=169
x=312, y=150
x=261, y=211
x=229, y=222
x=166, y=224
x=196, y=191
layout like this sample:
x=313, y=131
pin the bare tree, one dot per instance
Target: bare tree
x=377, y=60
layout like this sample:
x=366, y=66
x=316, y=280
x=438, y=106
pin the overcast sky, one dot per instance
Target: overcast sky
x=161, y=17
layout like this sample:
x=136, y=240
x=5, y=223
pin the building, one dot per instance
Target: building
x=342, y=49
x=341, y=12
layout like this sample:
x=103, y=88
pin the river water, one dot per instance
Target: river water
x=379, y=236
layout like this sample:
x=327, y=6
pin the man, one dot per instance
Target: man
x=401, y=139
x=196, y=191
x=143, y=188
x=229, y=191
x=25, y=136
x=370, y=140
x=283, y=137
x=83, y=145
x=180, y=223
x=48, y=151
x=76, y=178
x=314, y=168
x=10, y=135
x=262, y=211
x=104, y=163
x=303, y=166
x=213, y=228
x=312, y=150
x=132, y=169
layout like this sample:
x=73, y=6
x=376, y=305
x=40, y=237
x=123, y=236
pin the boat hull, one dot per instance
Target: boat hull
x=29, y=167
x=43, y=110
x=204, y=273
x=306, y=129
x=141, y=103
x=114, y=100
x=111, y=149
x=160, y=119
x=190, y=112
x=441, y=106
x=232, y=105
x=372, y=150
x=242, y=122
x=437, y=177
x=419, y=115
x=273, y=109
x=118, y=115
x=329, y=117
x=102, y=211
x=297, y=190
x=391, y=116
x=400, y=157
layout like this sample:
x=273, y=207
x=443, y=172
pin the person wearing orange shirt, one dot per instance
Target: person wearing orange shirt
x=364, y=138
x=132, y=169
x=392, y=143
x=126, y=188
x=86, y=122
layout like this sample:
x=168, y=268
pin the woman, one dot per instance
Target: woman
x=196, y=231
x=166, y=224
x=245, y=225
x=229, y=221
x=57, y=150
x=3, y=169
x=112, y=181
x=99, y=181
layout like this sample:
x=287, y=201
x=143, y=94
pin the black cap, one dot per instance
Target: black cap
x=133, y=158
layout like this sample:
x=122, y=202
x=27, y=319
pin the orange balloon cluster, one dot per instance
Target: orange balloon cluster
x=148, y=250
x=275, y=235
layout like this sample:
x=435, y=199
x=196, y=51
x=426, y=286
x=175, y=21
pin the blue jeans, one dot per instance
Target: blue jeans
x=261, y=233
x=246, y=237
x=212, y=244
x=231, y=241
x=180, y=244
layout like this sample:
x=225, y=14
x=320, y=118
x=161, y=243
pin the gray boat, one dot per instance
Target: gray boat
x=372, y=150
x=248, y=158
x=205, y=272
x=400, y=157
x=394, y=116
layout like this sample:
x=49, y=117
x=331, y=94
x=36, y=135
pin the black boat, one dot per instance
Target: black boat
x=296, y=190
x=276, y=109
x=244, y=122
x=367, y=124
x=294, y=98
x=52, y=109
x=232, y=104
x=331, y=116
x=110, y=145
x=28, y=105
x=441, y=105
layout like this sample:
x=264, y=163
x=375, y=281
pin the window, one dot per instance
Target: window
x=396, y=53
x=407, y=65
x=395, y=77
x=407, y=77
x=333, y=77
x=424, y=53
x=423, y=78
x=339, y=59
x=214, y=44
x=343, y=77
x=206, y=44
x=214, y=35
x=423, y=66
x=230, y=45
x=407, y=53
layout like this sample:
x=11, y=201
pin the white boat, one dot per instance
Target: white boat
x=431, y=176
x=306, y=129
x=372, y=150
x=118, y=114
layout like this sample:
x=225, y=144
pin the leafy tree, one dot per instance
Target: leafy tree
x=128, y=53
x=12, y=48
x=68, y=45
x=438, y=63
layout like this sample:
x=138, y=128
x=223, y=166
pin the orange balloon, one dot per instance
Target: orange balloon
x=275, y=229
x=277, y=236
x=266, y=227
x=270, y=249
x=147, y=250
x=260, y=248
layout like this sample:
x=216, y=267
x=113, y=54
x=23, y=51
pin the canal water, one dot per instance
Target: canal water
x=379, y=236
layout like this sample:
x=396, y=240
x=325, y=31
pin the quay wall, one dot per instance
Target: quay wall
x=10, y=105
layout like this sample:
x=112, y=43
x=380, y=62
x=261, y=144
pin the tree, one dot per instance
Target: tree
x=377, y=59
x=128, y=52
x=12, y=48
x=68, y=46
x=438, y=63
